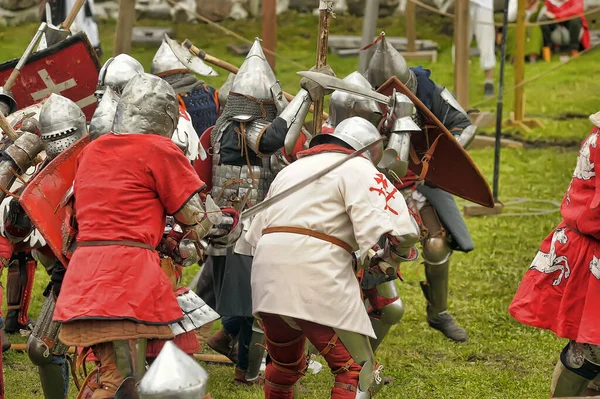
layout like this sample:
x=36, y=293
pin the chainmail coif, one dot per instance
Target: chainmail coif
x=240, y=105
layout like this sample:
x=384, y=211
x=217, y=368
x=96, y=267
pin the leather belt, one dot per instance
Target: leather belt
x=310, y=233
x=115, y=242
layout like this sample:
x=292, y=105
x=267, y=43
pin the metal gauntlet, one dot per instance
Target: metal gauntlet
x=193, y=217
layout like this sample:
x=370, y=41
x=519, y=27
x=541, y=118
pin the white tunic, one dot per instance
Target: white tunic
x=311, y=279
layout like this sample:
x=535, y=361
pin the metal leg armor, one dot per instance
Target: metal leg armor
x=130, y=357
x=256, y=352
x=19, y=285
x=575, y=369
x=48, y=353
x=359, y=347
x=436, y=256
x=384, y=317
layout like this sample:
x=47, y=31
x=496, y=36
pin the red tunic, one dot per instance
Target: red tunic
x=125, y=185
x=561, y=290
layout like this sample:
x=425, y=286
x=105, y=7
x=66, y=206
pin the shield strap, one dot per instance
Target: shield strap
x=425, y=159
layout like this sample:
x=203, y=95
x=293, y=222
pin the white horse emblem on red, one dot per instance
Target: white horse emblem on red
x=549, y=263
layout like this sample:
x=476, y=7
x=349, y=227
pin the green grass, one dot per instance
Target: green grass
x=503, y=359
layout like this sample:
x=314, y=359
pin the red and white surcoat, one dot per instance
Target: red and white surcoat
x=561, y=290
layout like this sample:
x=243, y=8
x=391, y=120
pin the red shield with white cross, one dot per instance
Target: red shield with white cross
x=69, y=68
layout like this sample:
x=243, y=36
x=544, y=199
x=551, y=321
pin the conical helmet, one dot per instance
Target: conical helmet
x=62, y=123
x=387, y=62
x=174, y=375
x=148, y=105
x=104, y=116
x=344, y=105
x=358, y=133
x=255, y=78
x=225, y=89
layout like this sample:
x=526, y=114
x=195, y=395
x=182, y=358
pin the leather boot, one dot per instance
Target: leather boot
x=110, y=378
x=240, y=379
x=224, y=343
x=203, y=333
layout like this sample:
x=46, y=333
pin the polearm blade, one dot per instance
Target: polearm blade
x=325, y=13
x=193, y=63
x=334, y=83
x=256, y=209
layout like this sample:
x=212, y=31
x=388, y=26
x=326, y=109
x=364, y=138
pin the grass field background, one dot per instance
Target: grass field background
x=502, y=359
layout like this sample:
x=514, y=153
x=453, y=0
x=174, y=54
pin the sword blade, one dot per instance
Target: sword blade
x=334, y=83
x=256, y=209
x=191, y=62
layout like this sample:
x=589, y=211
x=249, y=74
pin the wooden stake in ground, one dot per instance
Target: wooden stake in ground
x=410, y=17
x=461, y=52
x=325, y=13
x=517, y=118
x=124, y=27
x=269, y=30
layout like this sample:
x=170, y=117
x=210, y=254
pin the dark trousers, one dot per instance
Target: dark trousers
x=573, y=26
x=242, y=328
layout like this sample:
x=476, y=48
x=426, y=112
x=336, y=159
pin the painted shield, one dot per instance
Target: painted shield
x=450, y=167
x=44, y=197
x=69, y=68
x=204, y=167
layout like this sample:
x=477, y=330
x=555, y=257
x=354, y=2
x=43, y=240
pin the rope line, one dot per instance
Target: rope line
x=236, y=35
x=499, y=24
x=536, y=77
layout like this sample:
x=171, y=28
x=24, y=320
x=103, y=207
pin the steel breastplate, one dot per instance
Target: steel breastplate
x=200, y=104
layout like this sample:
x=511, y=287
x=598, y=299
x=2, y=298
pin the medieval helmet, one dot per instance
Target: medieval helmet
x=104, y=116
x=148, y=105
x=62, y=123
x=174, y=375
x=357, y=132
x=387, y=62
x=117, y=72
x=256, y=79
x=344, y=105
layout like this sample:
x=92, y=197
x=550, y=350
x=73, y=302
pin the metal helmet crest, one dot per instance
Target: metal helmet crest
x=148, y=105
x=344, y=105
x=256, y=78
x=174, y=375
x=387, y=62
x=62, y=123
x=104, y=116
x=165, y=61
x=357, y=132
x=117, y=72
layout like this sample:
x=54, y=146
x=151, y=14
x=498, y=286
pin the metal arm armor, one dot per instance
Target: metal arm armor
x=294, y=115
x=466, y=136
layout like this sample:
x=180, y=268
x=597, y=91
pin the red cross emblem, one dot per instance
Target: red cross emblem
x=382, y=189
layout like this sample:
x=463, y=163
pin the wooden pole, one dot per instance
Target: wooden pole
x=124, y=27
x=519, y=113
x=72, y=14
x=325, y=9
x=369, y=27
x=269, y=29
x=410, y=15
x=462, y=43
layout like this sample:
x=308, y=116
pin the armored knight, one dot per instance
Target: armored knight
x=248, y=143
x=384, y=304
x=197, y=98
x=443, y=227
x=61, y=124
x=117, y=254
x=303, y=265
